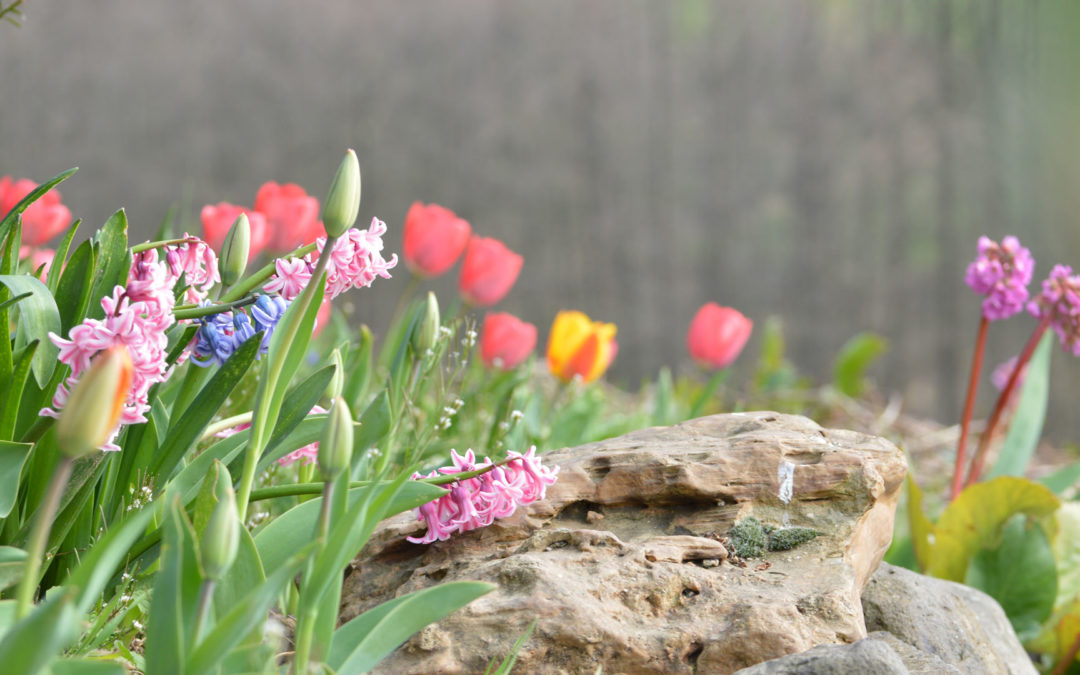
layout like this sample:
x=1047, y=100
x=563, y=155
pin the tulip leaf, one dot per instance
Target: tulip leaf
x=38, y=316
x=1020, y=574
x=52, y=280
x=974, y=520
x=12, y=563
x=113, y=259
x=1027, y=422
x=73, y=289
x=12, y=457
x=286, y=533
x=30, y=644
x=9, y=416
x=375, y=424
x=98, y=566
x=9, y=220
x=855, y=357
x=245, y=573
x=362, y=643
x=171, y=623
x=295, y=409
x=86, y=667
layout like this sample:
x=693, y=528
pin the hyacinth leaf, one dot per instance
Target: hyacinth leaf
x=97, y=566
x=244, y=617
x=170, y=627
x=974, y=520
x=854, y=359
x=12, y=562
x=186, y=432
x=9, y=416
x=29, y=645
x=8, y=221
x=295, y=409
x=52, y=280
x=362, y=643
x=921, y=527
x=663, y=412
x=113, y=258
x=1020, y=574
x=375, y=424
x=86, y=667
x=245, y=573
x=1027, y=422
x=38, y=316
x=286, y=533
x=359, y=369
x=12, y=458
x=1062, y=479
x=76, y=283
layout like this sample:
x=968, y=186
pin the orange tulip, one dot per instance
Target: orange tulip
x=580, y=347
x=717, y=335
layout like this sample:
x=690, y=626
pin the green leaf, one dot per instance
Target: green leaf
x=294, y=528
x=30, y=644
x=113, y=258
x=363, y=642
x=9, y=416
x=171, y=624
x=663, y=411
x=921, y=527
x=1020, y=574
x=295, y=409
x=38, y=316
x=1027, y=422
x=375, y=424
x=185, y=433
x=245, y=573
x=73, y=289
x=12, y=562
x=243, y=618
x=974, y=520
x=855, y=357
x=96, y=567
x=1066, y=545
x=507, y=664
x=86, y=667
x=360, y=369
x=12, y=458
x=1062, y=479
x=53, y=278
x=9, y=220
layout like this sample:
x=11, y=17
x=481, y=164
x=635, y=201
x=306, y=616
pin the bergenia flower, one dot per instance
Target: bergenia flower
x=1059, y=303
x=1001, y=273
x=476, y=502
x=136, y=316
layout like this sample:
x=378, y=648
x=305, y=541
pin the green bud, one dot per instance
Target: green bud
x=337, y=382
x=336, y=444
x=93, y=408
x=234, y=252
x=343, y=201
x=426, y=330
x=221, y=538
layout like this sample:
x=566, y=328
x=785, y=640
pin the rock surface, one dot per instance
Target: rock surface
x=865, y=657
x=647, y=587
x=962, y=626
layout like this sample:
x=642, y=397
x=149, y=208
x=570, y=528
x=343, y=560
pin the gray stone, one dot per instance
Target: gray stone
x=962, y=626
x=917, y=661
x=865, y=657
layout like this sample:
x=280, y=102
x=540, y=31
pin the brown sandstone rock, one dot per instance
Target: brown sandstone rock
x=648, y=588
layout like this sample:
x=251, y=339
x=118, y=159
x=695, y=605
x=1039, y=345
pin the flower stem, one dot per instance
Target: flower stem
x=227, y=423
x=714, y=383
x=146, y=246
x=999, y=407
x=195, y=311
x=39, y=537
x=969, y=405
x=202, y=613
x=257, y=278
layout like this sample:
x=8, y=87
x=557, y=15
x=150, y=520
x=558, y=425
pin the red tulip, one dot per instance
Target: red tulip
x=506, y=341
x=291, y=213
x=717, y=335
x=42, y=220
x=489, y=271
x=434, y=239
x=218, y=218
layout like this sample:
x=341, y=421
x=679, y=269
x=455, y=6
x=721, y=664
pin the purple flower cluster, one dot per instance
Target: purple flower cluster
x=478, y=501
x=222, y=334
x=1001, y=273
x=1059, y=303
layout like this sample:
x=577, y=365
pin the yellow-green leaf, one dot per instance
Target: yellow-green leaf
x=921, y=527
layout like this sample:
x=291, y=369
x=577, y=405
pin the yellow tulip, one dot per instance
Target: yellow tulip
x=580, y=347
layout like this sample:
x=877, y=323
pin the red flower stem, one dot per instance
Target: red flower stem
x=999, y=407
x=969, y=405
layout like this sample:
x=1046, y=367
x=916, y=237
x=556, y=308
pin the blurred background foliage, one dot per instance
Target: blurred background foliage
x=830, y=163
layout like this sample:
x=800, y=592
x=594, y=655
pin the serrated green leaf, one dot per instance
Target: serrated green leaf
x=1020, y=574
x=1025, y=430
x=853, y=360
x=366, y=640
x=974, y=520
x=38, y=316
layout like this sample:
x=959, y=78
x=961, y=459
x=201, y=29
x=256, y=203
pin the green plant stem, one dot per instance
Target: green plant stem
x=196, y=311
x=268, y=383
x=227, y=423
x=38, y=429
x=202, y=612
x=1006, y=393
x=324, y=511
x=969, y=406
x=710, y=388
x=403, y=299
x=306, y=632
x=256, y=279
x=40, y=536
x=146, y=246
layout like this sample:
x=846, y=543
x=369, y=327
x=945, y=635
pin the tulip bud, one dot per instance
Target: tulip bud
x=221, y=538
x=426, y=331
x=336, y=444
x=234, y=252
x=343, y=200
x=93, y=408
x=337, y=382
x=716, y=335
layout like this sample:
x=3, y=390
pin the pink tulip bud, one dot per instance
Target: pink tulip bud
x=506, y=341
x=434, y=239
x=717, y=335
x=489, y=271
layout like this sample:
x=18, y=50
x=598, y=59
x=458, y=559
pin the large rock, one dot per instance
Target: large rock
x=621, y=566
x=962, y=626
x=865, y=657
